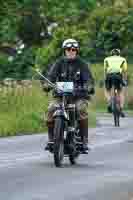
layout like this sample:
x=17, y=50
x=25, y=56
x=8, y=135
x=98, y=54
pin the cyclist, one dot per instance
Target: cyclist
x=115, y=65
x=65, y=69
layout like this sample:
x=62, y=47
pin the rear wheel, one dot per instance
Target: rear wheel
x=116, y=112
x=58, y=141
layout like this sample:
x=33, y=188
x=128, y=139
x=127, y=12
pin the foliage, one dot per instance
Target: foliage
x=18, y=68
x=98, y=25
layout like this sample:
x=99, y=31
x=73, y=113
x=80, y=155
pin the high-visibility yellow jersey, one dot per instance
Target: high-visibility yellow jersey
x=115, y=64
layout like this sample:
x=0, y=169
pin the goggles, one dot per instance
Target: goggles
x=70, y=45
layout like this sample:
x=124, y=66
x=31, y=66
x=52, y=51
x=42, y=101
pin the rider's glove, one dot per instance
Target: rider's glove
x=46, y=87
x=91, y=91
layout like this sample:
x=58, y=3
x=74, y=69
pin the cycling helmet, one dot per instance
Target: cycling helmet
x=115, y=52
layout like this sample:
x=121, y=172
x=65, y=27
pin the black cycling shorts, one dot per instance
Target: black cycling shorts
x=113, y=80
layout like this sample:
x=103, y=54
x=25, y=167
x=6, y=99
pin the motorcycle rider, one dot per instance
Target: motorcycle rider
x=65, y=69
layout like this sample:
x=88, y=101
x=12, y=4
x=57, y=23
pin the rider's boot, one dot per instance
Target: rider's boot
x=50, y=136
x=84, y=134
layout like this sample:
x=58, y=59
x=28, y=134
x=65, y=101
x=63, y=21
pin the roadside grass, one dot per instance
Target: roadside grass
x=22, y=111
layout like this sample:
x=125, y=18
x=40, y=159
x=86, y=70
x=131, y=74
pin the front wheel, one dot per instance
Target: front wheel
x=58, y=141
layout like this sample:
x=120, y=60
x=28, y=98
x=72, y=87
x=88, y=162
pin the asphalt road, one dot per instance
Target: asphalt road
x=106, y=173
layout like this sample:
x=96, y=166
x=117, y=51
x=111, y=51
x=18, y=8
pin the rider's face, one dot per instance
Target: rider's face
x=71, y=53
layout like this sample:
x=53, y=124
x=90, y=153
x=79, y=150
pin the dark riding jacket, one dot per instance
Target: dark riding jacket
x=75, y=70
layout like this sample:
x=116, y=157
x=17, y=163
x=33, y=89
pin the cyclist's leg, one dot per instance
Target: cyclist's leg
x=122, y=98
x=121, y=95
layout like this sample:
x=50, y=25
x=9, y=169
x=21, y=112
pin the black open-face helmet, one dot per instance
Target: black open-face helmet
x=115, y=52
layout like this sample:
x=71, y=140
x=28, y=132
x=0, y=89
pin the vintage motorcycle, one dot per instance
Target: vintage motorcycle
x=67, y=141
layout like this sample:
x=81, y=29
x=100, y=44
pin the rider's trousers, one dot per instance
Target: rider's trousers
x=82, y=108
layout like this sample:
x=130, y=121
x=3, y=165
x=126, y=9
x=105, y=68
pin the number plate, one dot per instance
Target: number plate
x=65, y=86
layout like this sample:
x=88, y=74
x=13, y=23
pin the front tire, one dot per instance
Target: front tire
x=58, y=141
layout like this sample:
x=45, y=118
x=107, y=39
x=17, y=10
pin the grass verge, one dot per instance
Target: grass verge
x=22, y=111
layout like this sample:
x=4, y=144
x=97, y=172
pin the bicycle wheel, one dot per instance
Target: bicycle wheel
x=116, y=112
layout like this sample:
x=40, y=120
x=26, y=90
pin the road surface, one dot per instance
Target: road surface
x=106, y=173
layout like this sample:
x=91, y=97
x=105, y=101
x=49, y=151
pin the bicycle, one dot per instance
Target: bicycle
x=115, y=105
